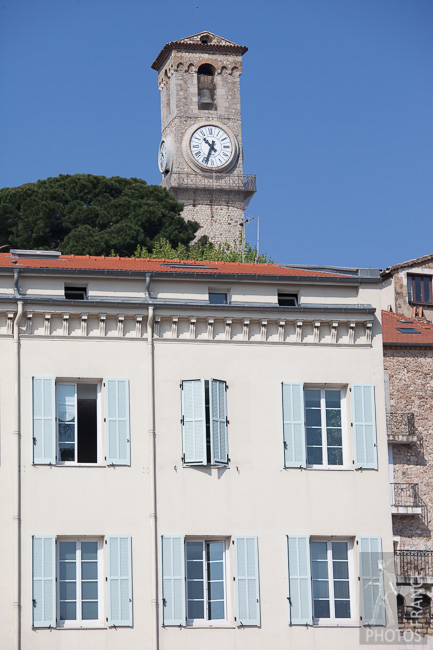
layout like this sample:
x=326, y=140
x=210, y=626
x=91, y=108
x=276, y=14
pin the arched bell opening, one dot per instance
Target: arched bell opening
x=206, y=87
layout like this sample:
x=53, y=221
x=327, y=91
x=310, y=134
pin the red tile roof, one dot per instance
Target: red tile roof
x=128, y=264
x=392, y=324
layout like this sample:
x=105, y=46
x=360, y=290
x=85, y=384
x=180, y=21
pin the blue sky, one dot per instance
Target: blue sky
x=337, y=107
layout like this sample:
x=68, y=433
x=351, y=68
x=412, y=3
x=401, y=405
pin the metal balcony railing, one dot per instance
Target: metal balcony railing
x=414, y=564
x=401, y=427
x=405, y=496
x=215, y=180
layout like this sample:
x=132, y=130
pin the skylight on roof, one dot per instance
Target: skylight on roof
x=404, y=321
x=408, y=330
x=189, y=266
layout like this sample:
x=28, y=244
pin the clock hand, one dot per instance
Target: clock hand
x=211, y=148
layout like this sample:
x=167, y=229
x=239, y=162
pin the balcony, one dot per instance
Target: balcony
x=411, y=565
x=400, y=428
x=405, y=500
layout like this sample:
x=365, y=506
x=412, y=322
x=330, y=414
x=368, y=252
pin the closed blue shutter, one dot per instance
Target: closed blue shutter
x=247, y=581
x=119, y=581
x=300, y=602
x=117, y=421
x=44, y=420
x=218, y=422
x=364, y=426
x=295, y=454
x=372, y=581
x=194, y=422
x=173, y=580
x=44, y=581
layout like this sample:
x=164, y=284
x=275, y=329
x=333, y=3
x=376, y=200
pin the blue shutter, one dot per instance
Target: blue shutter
x=173, y=580
x=194, y=422
x=218, y=422
x=295, y=454
x=372, y=581
x=117, y=421
x=44, y=420
x=44, y=581
x=300, y=600
x=364, y=426
x=247, y=581
x=119, y=581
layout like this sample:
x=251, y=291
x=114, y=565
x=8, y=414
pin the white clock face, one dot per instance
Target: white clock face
x=211, y=146
x=162, y=157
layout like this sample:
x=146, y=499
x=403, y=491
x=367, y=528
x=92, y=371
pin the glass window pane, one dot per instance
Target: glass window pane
x=339, y=550
x=68, y=590
x=319, y=550
x=342, y=609
x=89, y=590
x=320, y=570
x=89, y=610
x=341, y=589
x=333, y=418
x=68, y=611
x=67, y=452
x=341, y=570
x=427, y=290
x=314, y=456
x=66, y=432
x=195, y=609
x=67, y=550
x=321, y=609
x=194, y=550
x=312, y=398
x=194, y=570
x=89, y=550
x=215, y=571
x=215, y=550
x=314, y=436
x=335, y=456
x=334, y=437
x=195, y=589
x=313, y=418
x=89, y=570
x=418, y=288
x=320, y=589
x=332, y=399
x=67, y=571
x=217, y=298
x=216, y=590
x=216, y=610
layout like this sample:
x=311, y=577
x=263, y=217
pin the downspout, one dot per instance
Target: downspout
x=152, y=475
x=17, y=432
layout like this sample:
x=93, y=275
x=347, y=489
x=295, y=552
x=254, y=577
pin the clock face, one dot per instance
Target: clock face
x=162, y=157
x=211, y=146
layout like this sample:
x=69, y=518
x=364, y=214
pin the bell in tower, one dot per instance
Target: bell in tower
x=201, y=155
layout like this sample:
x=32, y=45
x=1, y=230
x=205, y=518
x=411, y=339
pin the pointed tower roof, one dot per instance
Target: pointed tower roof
x=201, y=42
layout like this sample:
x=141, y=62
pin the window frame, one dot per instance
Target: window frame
x=333, y=621
x=98, y=383
x=344, y=428
x=218, y=293
x=411, y=297
x=206, y=622
x=283, y=296
x=81, y=293
x=81, y=623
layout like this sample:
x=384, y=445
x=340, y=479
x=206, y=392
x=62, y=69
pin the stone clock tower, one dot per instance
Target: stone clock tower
x=200, y=155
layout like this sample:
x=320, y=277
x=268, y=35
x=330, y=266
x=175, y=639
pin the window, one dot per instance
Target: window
x=195, y=578
x=288, y=299
x=206, y=90
x=69, y=585
x=205, y=581
x=315, y=431
x=323, y=426
x=204, y=422
x=419, y=289
x=67, y=422
x=408, y=330
x=330, y=581
x=217, y=298
x=76, y=293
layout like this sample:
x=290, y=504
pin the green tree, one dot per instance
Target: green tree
x=203, y=250
x=91, y=215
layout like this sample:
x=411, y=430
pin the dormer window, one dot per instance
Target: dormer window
x=206, y=87
x=76, y=293
x=288, y=299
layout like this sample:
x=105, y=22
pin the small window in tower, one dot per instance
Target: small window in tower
x=206, y=87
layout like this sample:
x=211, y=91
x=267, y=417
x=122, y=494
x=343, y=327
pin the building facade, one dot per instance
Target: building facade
x=194, y=454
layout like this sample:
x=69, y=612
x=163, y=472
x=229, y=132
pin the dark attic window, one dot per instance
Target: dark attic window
x=75, y=293
x=288, y=299
x=408, y=330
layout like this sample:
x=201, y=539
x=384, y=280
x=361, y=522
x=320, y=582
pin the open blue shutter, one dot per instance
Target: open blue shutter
x=194, y=422
x=173, y=580
x=44, y=581
x=295, y=454
x=119, y=581
x=372, y=581
x=364, y=426
x=117, y=421
x=300, y=600
x=44, y=420
x=218, y=422
x=247, y=581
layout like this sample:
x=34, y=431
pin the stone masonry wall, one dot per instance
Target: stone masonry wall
x=411, y=391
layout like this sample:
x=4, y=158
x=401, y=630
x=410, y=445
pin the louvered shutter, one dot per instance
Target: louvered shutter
x=194, y=422
x=44, y=420
x=300, y=601
x=44, y=581
x=119, y=581
x=247, y=581
x=173, y=580
x=117, y=421
x=372, y=581
x=295, y=454
x=218, y=422
x=364, y=426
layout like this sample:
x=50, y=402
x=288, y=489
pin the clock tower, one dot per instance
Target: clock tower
x=200, y=154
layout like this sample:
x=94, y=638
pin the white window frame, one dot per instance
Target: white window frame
x=80, y=623
x=92, y=382
x=344, y=428
x=205, y=622
x=333, y=621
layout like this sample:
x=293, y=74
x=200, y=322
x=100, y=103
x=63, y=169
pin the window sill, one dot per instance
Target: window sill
x=220, y=626
x=351, y=624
